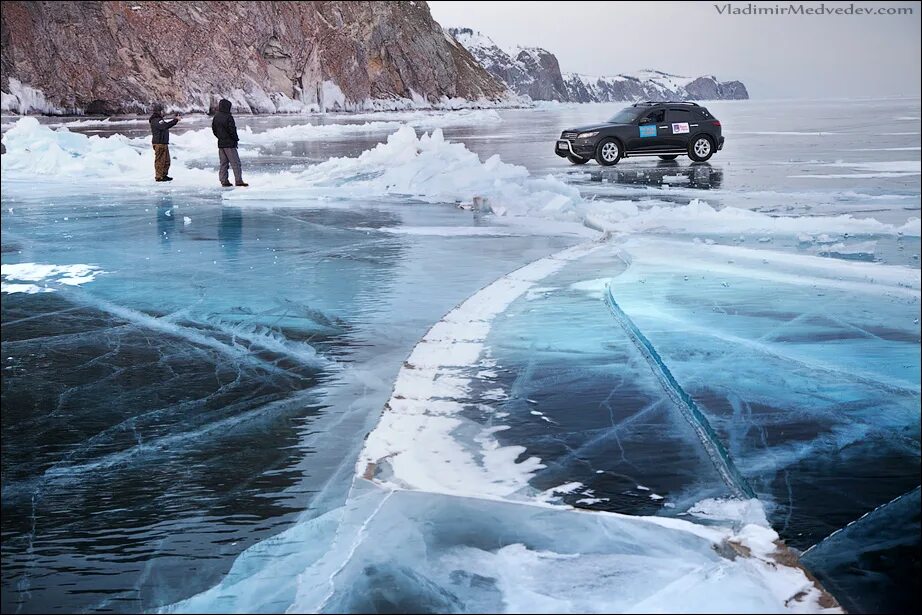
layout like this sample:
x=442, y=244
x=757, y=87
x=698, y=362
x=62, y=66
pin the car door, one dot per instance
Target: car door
x=679, y=127
x=651, y=131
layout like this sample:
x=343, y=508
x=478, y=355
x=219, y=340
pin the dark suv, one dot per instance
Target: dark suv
x=664, y=129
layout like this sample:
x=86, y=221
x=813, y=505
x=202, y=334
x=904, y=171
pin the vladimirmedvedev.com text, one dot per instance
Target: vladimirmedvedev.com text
x=802, y=9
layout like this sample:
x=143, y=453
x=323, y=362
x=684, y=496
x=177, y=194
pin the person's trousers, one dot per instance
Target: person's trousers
x=228, y=156
x=161, y=160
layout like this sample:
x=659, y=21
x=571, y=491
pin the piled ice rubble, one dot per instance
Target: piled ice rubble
x=424, y=168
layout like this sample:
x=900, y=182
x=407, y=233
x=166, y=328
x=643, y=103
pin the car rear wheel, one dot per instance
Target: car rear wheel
x=608, y=152
x=669, y=157
x=574, y=160
x=701, y=148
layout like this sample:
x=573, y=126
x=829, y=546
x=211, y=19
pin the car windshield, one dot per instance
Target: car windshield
x=625, y=116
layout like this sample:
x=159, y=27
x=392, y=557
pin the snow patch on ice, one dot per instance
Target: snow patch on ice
x=700, y=217
x=720, y=509
x=784, y=267
x=416, y=444
x=31, y=278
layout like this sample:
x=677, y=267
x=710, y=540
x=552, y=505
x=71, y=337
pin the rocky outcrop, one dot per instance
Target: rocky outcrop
x=535, y=72
x=110, y=57
x=546, y=80
x=532, y=71
x=709, y=88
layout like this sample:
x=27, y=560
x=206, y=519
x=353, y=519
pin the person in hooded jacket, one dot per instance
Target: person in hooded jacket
x=160, y=139
x=225, y=130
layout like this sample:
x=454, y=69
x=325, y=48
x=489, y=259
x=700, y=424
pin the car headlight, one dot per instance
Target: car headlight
x=587, y=135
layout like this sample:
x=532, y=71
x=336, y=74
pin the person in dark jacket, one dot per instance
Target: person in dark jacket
x=225, y=130
x=160, y=138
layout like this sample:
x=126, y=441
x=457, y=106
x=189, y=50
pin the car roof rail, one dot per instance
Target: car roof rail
x=665, y=102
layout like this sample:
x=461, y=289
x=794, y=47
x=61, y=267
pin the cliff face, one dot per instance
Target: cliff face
x=109, y=57
x=546, y=82
x=536, y=73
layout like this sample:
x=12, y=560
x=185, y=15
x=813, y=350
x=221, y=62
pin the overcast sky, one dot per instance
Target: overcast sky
x=776, y=56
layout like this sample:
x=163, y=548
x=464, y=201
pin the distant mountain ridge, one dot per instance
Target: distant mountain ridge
x=535, y=72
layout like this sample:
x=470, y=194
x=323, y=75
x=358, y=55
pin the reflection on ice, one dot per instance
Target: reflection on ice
x=701, y=176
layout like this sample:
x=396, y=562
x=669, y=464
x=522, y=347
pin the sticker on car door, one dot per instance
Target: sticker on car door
x=679, y=128
x=648, y=131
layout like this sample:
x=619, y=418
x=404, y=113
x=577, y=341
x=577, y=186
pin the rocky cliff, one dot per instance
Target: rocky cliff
x=536, y=73
x=111, y=57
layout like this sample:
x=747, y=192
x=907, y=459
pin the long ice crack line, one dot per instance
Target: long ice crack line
x=683, y=401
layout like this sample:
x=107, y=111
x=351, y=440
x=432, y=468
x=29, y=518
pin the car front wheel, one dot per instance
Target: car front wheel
x=608, y=152
x=574, y=160
x=701, y=148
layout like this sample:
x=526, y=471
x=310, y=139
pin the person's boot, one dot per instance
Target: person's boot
x=226, y=184
x=241, y=183
x=167, y=179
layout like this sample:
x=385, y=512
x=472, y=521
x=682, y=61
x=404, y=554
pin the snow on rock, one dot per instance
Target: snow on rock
x=24, y=99
x=535, y=72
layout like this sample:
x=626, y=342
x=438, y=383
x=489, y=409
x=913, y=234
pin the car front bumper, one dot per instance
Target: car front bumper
x=581, y=148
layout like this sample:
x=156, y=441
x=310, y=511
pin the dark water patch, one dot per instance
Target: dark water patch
x=873, y=564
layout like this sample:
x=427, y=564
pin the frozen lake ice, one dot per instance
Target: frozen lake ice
x=189, y=375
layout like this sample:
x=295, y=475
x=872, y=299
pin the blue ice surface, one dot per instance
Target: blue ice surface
x=582, y=398
x=698, y=383
x=209, y=392
x=416, y=552
x=204, y=392
x=813, y=388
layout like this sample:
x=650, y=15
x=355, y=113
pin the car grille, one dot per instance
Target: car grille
x=568, y=135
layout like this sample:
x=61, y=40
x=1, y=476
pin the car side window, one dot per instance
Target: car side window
x=679, y=115
x=654, y=117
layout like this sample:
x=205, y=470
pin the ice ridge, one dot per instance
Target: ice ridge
x=683, y=401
